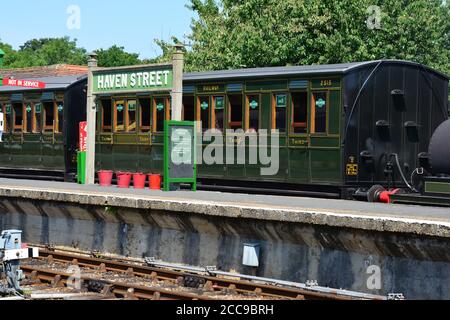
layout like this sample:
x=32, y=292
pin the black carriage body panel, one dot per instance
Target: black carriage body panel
x=391, y=107
x=75, y=112
x=44, y=153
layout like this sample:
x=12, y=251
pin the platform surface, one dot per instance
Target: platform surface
x=433, y=221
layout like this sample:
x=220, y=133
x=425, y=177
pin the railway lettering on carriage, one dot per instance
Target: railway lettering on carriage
x=326, y=83
x=210, y=88
x=47, y=138
x=144, y=139
x=352, y=169
x=298, y=142
x=105, y=139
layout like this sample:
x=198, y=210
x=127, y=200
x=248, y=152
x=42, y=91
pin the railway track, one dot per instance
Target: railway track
x=107, y=288
x=203, y=286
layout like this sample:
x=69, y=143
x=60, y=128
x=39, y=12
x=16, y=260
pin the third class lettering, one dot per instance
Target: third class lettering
x=210, y=88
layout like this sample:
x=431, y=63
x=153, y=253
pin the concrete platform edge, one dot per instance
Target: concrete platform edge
x=433, y=228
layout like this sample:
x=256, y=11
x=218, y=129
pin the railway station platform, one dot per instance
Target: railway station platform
x=427, y=221
x=333, y=242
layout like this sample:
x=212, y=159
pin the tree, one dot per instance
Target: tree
x=10, y=54
x=35, y=44
x=116, y=57
x=42, y=52
x=49, y=51
x=256, y=33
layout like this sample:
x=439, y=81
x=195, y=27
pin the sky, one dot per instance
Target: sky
x=133, y=24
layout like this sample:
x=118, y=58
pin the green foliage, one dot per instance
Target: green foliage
x=49, y=51
x=41, y=52
x=117, y=57
x=9, y=54
x=255, y=33
x=167, y=49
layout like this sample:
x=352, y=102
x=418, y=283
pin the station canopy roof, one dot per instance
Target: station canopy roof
x=56, y=77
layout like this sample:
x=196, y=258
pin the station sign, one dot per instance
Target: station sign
x=133, y=79
x=180, y=164
x=23, y=83
x=83, y=136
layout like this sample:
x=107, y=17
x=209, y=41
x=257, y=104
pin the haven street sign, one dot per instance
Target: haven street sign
x=23, y=83
x=133, y=79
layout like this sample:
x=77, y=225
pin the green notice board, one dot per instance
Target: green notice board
x=180, y=162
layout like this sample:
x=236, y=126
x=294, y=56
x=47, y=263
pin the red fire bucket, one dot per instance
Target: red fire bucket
x=123, y=179
x=105, y=177
x=139, y=180
x=155, y=181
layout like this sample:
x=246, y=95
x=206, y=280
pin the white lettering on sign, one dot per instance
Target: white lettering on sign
x=23, y=83
x=152, y=79
x=166, y=76
x=133, y=80
x=146, y=78
x=158, y=78
x=139, y=74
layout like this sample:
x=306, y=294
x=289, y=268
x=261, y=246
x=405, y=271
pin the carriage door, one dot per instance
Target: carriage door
x=325, y=105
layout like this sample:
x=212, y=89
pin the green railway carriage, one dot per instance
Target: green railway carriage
x=338, y=124
x=41, y=136
x=343, y=128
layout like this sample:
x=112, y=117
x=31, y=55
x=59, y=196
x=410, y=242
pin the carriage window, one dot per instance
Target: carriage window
x=106, y=115
x=5, y=117
x=299, y=112
x=18, y=117
x=131, y=115
x=253, y=106
x=235, y=111
x=60, y=111
x=119, y=111
x=188, y=108
x=29, y=118
x=319, y=112
x=37, y=117
x=218, y=114
x=280, y=112
x=161, y=113
x=49, y=115
x=204, y=107
x=145, y=114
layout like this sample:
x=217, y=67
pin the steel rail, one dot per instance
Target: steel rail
x=118, y=289
x=216, y=283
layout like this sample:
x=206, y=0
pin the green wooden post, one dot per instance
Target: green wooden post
x=81, y=167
